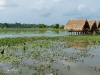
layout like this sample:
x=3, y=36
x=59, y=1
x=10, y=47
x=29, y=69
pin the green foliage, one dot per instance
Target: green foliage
x=44, y=53
x=17, y=25
x=56, y=26
x=42, y=26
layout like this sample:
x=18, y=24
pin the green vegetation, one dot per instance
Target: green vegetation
x=46, y=55
x=83, y=41
x=19, y=25
x=19, y=40
x=86, y=40
x=42, y=26
x=56, y=26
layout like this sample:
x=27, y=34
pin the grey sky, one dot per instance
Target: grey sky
x=48, y=11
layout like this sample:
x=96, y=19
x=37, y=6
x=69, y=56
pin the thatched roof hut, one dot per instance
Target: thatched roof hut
x=93, y=25
x=77, y=25
x=98, y=23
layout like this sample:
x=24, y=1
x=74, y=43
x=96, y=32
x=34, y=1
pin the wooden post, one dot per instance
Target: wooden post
x=78, y=32
x=71, y=32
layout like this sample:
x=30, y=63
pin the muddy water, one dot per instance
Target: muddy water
x=66, y=61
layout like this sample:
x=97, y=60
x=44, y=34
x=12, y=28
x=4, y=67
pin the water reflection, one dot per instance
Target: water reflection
x=33, y=33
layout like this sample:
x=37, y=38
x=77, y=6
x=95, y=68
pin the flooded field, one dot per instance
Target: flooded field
x=49, y=56
x=31, y=33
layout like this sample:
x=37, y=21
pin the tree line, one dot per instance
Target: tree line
x=19, y=25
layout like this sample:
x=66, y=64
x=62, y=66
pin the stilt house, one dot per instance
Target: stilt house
x=80, y=25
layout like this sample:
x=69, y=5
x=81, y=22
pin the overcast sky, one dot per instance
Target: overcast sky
x=48, y=11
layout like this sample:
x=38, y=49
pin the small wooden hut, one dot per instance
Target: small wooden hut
x=93, y=26
x=80, y=25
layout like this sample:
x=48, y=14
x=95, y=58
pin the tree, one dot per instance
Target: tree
x=56, y=26
x=42, y=26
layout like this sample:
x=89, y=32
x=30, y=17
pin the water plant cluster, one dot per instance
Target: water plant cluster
x=42, y=55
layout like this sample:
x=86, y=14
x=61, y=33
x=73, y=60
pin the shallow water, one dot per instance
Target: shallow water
x=66, y=61
x=32, y=33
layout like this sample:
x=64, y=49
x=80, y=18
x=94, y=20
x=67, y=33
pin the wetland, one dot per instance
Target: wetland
x=45, y=52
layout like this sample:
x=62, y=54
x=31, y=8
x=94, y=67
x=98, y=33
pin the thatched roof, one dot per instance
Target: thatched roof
x=98, y=23
x=75, y=24
x=91, y=23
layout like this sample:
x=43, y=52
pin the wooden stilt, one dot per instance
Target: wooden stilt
x=78, y=32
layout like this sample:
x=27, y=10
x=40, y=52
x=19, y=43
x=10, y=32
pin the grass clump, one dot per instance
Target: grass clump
x=83, y=41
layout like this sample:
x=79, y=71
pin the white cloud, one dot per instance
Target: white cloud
x=51, y=10
x=42, y=8
x=38, y=6
x=41, y=5
x=2, y=3
x=93, y=10
x=8, y=3
x=81, y=6
x=44, y=5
